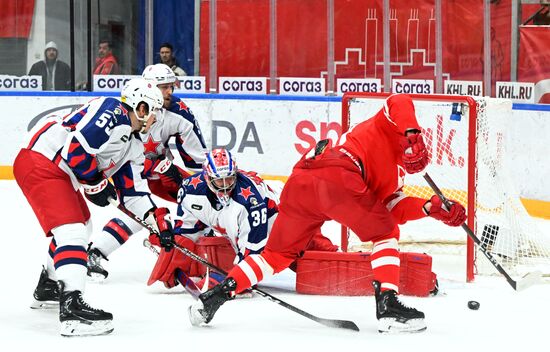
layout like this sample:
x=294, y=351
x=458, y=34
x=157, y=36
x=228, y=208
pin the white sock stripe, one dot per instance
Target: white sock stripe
x=390, y=286
x=266, y=269
x=386, y=260
x=249, y=272
x=386, y=244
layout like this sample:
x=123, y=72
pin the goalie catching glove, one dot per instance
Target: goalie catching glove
x=99, y=191
x=415, y=154
x=455, y=216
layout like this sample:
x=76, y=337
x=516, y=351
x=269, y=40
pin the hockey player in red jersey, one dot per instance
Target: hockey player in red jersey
x=82, y=151
x=357, y=183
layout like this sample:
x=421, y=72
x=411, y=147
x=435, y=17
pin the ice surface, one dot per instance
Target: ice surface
x=154, y=318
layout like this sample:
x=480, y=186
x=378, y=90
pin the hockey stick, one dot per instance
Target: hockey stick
x=528, y=280
x=333, y=323
x=183, y=279
x=181, y=276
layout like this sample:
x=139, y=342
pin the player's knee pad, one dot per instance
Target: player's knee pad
x=76, y=234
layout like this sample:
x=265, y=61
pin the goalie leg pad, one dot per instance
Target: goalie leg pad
x=168, y=262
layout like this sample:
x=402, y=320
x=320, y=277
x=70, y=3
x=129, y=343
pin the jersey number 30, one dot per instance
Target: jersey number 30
x=259, y=217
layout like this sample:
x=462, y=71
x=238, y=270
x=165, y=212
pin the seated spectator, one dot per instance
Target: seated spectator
x=167, y=57
x=105, y=63
x=56, y=75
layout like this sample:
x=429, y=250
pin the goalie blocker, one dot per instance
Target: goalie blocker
x=350, y=274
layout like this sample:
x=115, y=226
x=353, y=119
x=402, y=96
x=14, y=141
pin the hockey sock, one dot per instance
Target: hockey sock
x=115, y=233
x=70, y=256
x=385, y=264
x=250, y=271
x=50, y=269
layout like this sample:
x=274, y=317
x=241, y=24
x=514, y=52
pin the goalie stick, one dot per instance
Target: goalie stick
x=333, y=323
x=527, y=280
x=181, y=276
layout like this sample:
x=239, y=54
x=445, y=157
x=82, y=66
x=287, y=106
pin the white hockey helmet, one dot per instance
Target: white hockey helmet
x=220, y=173
x=159, y=73
x=138, y=90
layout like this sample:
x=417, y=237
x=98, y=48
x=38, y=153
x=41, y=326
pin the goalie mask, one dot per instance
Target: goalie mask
x=220, y=173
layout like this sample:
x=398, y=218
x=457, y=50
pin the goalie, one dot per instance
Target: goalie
x=236, y=204
x=356, y=183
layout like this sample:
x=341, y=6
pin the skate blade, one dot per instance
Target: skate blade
x=195, y=316
x=70, y=328
x=44, y=304
x=392, y=326
x=96, y=278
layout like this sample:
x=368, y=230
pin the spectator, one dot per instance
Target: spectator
x=105, y=63
x=56, y=75
x=166, y=53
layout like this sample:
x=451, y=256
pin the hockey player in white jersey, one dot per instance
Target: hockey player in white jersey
x=163, y=176
x=82, y=151
x=236, y=204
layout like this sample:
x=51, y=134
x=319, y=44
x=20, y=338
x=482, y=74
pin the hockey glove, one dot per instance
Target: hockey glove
x=166, y=230
x=454, y=217
x=99, y=192
x=164, y=168
x=415, y=154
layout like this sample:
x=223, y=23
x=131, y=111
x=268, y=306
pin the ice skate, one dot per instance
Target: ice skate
x=95, y=271
x=393, y=316
x=210, y=301
x=46, y=294
x=78, y=318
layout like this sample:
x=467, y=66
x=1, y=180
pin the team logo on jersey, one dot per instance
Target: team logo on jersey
x=151, y=146
x=246, y=192
x=120, y=108
x=182, y=106
x=196, y=206
x=253, y=201
x=195, y=181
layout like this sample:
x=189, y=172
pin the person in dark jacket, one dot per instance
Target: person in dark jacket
x=56, y=75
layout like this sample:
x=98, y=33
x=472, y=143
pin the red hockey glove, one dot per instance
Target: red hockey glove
x=168, y=262
x=454, y=217
x=415, y=154
x=166, y=230
x=99, y=192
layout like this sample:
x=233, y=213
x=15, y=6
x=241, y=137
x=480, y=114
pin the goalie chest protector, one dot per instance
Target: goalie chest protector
x=350, y=274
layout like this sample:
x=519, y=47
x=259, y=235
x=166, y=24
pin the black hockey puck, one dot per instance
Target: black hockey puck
x=473, y=305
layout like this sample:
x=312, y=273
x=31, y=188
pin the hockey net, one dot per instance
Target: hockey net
x=466, y=143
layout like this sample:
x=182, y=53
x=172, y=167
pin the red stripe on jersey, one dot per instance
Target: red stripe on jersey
x=70, y=254
x=93, y=166
x=39, y=133
x=73, y=146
